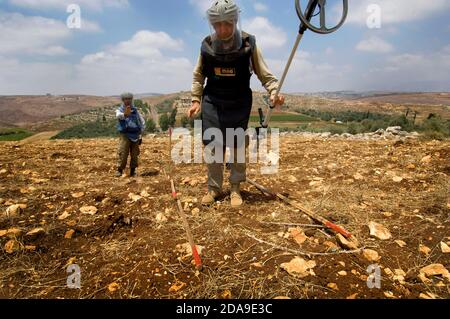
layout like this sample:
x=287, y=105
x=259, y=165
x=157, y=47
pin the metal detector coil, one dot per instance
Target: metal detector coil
x=306, y=19
x=306, y=24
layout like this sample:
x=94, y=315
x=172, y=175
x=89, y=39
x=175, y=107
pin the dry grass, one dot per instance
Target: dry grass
x=243, y=247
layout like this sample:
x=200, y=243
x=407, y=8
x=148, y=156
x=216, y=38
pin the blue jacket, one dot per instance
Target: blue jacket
x=133, y=125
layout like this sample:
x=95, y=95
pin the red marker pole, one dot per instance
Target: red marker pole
x=306, y=211
x=195, y=254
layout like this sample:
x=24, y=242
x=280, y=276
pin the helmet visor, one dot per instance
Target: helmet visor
x=226, y=36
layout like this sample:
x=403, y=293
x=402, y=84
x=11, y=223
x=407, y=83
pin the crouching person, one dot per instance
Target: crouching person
x=131, y=127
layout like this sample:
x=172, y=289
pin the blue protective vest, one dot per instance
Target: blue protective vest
x=131, y=126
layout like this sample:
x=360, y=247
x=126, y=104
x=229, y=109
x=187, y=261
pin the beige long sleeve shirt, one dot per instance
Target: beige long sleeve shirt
x=268, y=80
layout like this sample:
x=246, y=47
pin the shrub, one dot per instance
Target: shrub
x=150, y=126
x=435, y=128
x=164, y=122
x=184, y=121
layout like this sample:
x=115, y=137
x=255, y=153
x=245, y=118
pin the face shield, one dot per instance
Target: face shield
x=127, y=98
x=225, y=29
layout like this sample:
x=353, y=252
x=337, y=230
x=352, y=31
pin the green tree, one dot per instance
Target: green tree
x=352, y=128
x=173, y=117
x=164, y=122
x=184, y=121
x=436, y=128
x=165, y=106
x=401, y=121
x=150, y=126
x=138, y=103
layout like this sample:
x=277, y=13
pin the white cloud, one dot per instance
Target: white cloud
x=201, y=5
x=268, y=36
x=89, y=26
x=53, y=51
x=18, y=78
x=148, y=44
x=144, y=63
x=375, y=45
x=398, y=11
x=411, y=71
x=402, y=72
x=260, y=7
x=21, y=34
x=430, y=64
x=98, y=57
x=109, y=74
x=143, y=44
x=397, y=72
x=407, y=59
x=309, y=73
x=96, y=5
x=446, y=49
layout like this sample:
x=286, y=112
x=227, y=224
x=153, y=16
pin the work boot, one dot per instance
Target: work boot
x=236, y=199
x=119, y=173
x=132, y=172
x=210, y=197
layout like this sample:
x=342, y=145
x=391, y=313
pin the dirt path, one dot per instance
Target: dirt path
x=44, y=136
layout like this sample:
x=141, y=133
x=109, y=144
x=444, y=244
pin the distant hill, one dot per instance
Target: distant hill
x=24, y=110
x=426, y=98
x=140, y=95
x=49, y=113
x=144, y=95
x=410, y=98
x=376, y=101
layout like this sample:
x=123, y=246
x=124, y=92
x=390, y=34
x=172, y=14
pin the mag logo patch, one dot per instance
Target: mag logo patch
x=225, y=71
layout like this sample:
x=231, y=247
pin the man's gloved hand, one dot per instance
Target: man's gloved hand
x=127, y=111
x=278, y=102
x=194, y=110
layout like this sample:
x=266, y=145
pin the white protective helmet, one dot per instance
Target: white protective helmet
x=225, y=11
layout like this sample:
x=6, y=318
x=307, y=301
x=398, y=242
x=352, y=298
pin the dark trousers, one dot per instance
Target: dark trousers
x=223, y=113
x=127, y=147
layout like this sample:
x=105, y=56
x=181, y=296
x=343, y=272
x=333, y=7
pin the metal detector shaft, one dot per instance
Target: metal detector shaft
x=305, y=25
x=306, y=211
x=312, y=4
x=195, y=254
x=265, y=124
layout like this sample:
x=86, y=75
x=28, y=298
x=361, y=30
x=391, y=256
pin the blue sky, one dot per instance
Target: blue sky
x=152, y=46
